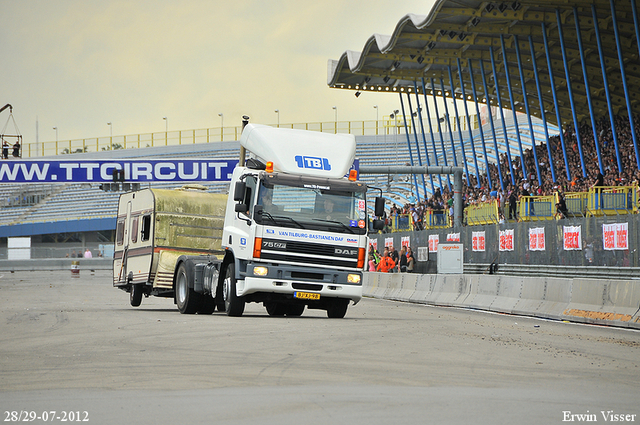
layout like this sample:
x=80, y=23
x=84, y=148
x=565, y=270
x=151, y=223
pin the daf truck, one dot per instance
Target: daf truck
x=291, y=234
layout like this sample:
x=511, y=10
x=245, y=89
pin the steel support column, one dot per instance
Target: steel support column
x=424, y=139
x=455, y=110
x=504, y=125
x=446, y=112
x=493, y=128
x=605, y=79
x=433, y=140
x=624, y=78
x=543, y=114
x=576, y=124
x=555, y=98
x=466, y=112
x=525, y=98
x=525, y=174
x=587, y=89
x=406, y=130
x=415, y=136
x=435, y=105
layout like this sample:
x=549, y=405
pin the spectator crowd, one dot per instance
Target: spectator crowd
x=525, y=175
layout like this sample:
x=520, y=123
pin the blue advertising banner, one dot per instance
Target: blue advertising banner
x=100, y=171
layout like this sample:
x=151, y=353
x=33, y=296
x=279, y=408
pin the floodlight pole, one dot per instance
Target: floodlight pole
x=401, y=169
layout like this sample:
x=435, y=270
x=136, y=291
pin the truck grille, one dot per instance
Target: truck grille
x=309, y=253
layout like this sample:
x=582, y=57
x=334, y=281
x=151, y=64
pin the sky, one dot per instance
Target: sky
x=77, y=65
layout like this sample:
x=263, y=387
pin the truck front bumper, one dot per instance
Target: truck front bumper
x=251, y=285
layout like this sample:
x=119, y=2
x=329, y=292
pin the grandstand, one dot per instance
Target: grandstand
x=523, y=63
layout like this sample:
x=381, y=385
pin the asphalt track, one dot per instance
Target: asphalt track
x=75, y=345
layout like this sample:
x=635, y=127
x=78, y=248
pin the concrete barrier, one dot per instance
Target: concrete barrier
x=557, y=297
x=448, y=290
x=509, y=292
x=39, y=264
x=394, y=285
x=369, y=284
x=532, y=295
x=483, y=291
x=424, y=287
x=608, y=302
x=408, y=286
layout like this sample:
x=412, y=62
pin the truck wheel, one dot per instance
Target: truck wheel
x=275, y=309
x=208, y=305
x=135, y=295
x=219, y=300
x=233, y=304
x=337, y=309
x=188, y=300
x=295, y=310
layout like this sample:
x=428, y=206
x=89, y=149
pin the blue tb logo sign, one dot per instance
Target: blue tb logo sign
x=313, y=162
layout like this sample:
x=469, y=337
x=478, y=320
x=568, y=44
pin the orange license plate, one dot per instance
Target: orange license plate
x=306, y=295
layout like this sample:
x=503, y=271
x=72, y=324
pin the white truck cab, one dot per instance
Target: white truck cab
x=294, y=234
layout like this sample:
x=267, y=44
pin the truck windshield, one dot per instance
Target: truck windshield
x=311, y=208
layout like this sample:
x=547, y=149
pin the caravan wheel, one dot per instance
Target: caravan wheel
x=135, y=295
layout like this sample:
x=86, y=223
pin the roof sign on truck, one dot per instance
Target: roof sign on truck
x=301, y=152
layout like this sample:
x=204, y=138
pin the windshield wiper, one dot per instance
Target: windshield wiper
x=279, y=217
x=336, y=222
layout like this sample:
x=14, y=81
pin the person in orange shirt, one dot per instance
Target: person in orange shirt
x=386, y=263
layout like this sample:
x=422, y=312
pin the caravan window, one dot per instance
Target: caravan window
x=120, y=232
x=134, y=230
x=146, y=228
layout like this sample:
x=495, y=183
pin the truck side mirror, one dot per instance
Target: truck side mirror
x=239, y=190
x=242, y=208
x=379, y=212
x=378, y=224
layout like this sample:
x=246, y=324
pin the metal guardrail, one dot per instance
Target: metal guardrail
x=591, y=272
x=383, y=126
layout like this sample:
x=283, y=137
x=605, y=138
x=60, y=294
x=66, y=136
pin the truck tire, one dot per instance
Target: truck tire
x=233, y=304
x=135, y=295
x=219, y=300
x=208, y=305
x=188, y=300
x=275, y=309
x=295, y=310
x=337, y=309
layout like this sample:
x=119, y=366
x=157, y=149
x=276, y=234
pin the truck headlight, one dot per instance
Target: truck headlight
x=260, y=271
x=353, y=278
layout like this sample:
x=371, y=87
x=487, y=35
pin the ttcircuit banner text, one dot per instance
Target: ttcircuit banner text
x=102, y=171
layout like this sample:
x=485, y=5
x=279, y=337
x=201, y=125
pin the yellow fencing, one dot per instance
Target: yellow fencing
x=612, y=200
x=436, y=220
x=401, y=223
x=483, y=213
x=536, y=208
x=576, y=203
x=431, y=220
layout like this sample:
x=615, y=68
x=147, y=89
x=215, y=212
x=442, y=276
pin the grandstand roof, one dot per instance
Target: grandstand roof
x=424, y=46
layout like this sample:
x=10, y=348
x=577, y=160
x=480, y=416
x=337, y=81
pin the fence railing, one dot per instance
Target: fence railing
x=431, y=220
x=606, y=201
x=384, y=126
x=483, y=213
x=535, y=208
x=613, y=200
